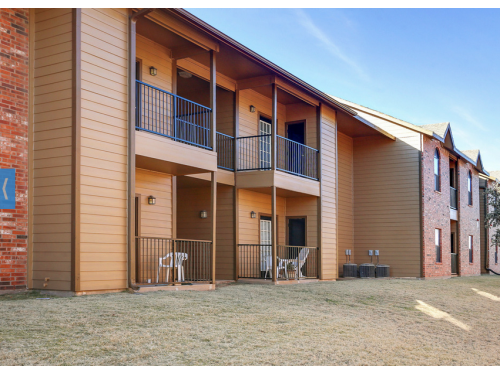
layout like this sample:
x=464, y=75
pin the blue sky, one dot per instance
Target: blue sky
x=420, y=65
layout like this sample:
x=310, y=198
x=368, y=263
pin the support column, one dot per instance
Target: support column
x=235, y=191
x=273, y=232
x=274, y=150
x=213, y=210
x=319, y=231
x=213, y=101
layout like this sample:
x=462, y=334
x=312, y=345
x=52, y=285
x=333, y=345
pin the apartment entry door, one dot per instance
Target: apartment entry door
x=454, y=256
x=296, y=132
x=266, y=241
x=296, y=236
x=265, y=130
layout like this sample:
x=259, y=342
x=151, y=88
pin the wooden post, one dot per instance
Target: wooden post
x=213, y=100
x=213, y=206
x=174, y=76
x=274, y=126
x=235, y=191
x=319, y=232
x=273, y=232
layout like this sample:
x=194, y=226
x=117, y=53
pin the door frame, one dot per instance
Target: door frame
x=277, y=225
x=297, y=122
x=287, y=229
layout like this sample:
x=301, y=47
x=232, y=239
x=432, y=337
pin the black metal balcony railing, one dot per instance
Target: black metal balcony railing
x=297, y=158
x=225, y=151
x=453, y=198
x=169, y=115
x=166, y=260
x=254, y=153
x=292, y=262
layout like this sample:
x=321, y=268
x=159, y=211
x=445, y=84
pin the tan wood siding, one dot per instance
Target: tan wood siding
x=328, y=243
x=52, y=149
x=308, y=207
x=249, y=122
x=156, y=220
x=386, y=203
x=190, y=201
x=261, y=204
x=302, y=111
x=103, y=187
x=225, y=233
x=346, y=198
x=154, y=54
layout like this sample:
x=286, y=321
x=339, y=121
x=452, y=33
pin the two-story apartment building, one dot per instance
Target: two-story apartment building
x=152, y=150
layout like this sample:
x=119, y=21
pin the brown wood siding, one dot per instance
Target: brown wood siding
x=346, y=198
x=249, y=201
x=103, y=190
x=190, y=201
x=386, y=203
x=154, y=54
x=225, y=233
x=328, y=243
x=156, y=220
x=308, y=207
x=249, y=122
x=302, y=111
x=52, y=148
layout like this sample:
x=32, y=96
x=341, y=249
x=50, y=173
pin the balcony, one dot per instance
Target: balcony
x=292, y=262
x=254, y=153
x=163, y=261
x=169, y=115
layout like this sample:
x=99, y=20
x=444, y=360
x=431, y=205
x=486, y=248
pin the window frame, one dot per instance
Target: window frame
x=437, y=165
x=469, y=188
x=471, y=249
x=438, y=245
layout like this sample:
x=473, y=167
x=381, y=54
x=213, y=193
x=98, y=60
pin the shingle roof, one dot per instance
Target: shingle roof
x=472, y=154
x=495, y=174
x=439, y=129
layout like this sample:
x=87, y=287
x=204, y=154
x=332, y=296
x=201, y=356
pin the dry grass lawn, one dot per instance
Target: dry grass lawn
x=362, y=322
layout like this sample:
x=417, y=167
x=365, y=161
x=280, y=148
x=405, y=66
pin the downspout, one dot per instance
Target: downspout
x=131, y=142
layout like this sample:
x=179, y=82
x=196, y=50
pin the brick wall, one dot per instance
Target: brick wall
x=435, y=211
x=14, y=143
x=468, y=221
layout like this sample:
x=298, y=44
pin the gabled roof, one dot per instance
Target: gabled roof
x=440, y=131
x=495, y=175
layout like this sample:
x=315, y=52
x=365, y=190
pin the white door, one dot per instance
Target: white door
x=265, y=239
x=265, y=145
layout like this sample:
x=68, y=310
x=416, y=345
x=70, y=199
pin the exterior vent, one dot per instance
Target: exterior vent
x=350, y=270
x=366, y=270
x=382, y=270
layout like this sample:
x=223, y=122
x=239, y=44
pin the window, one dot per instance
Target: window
x=471, y=252
x=469, y=187
x=437, y=172
x=437, y=236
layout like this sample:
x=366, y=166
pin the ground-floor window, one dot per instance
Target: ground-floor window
x=471, y=252
x=437, y=238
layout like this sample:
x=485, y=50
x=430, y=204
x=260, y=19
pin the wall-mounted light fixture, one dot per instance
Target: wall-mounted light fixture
x=203, y=214
x=151, y=200
x=252, y=108
x=153, y=71
x=253, y=215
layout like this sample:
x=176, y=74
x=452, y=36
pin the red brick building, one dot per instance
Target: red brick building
x=14, y=88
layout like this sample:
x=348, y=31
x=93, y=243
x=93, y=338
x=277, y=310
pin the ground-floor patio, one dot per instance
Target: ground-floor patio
x=360, y=322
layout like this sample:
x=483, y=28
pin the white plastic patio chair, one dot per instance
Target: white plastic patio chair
x=304, y=252
x=165, y=263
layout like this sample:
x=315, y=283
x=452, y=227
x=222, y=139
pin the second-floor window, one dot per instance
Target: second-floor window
x=437, y=235
x=437, y=172
x=471, y=250
x=469, y=187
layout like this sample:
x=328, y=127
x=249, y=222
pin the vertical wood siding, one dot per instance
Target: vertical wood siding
x=103, y=190
x=346, y=198
x=328, y=195
x=52, y=148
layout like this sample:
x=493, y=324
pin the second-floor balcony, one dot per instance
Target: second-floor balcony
x=163, y=113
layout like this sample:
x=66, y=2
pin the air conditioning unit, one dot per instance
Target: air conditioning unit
x=350, y=270
x=382, y=270
x=366, y=270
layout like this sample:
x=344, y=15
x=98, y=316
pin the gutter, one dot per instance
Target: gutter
x=131, y=142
